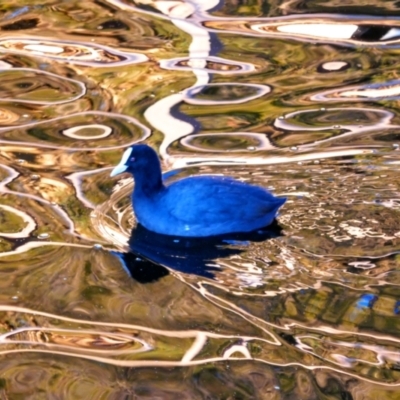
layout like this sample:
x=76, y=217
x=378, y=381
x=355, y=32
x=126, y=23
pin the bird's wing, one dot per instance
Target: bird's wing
x=208, y=198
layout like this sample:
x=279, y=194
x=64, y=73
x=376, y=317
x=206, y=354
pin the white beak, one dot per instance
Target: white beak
x=121, y=167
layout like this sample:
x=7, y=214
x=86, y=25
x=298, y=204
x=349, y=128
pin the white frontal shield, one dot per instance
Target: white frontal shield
x=121, y=167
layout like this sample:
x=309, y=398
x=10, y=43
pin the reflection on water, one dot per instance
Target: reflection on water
x=198, y=256
x=289, y=95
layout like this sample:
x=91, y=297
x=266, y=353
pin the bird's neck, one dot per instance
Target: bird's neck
x=148, y=184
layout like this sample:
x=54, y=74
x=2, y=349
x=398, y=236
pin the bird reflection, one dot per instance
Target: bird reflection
x=152, y=255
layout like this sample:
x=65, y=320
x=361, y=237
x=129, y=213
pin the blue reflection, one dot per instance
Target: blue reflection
x=152, y=255
x=397, y=307
x=18, y=12
x=366, y=301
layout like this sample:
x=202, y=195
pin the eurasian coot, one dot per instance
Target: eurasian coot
x=197, y=206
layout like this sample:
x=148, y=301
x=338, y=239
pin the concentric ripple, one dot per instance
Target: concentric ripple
x=216, y=65
x=80, y=131
x=95, y=55
x=377, y=91
x=12, y=217
x=23, y=85
x=225, y=93
x=311, y=28
x=311, y=128
x=227, y=142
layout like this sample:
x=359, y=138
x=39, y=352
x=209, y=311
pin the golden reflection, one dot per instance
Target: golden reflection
x=271, y=93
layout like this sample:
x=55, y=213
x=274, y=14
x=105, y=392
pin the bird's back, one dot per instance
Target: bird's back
x=212, y=205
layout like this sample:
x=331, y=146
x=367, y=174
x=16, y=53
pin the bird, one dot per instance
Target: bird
x=196, y=206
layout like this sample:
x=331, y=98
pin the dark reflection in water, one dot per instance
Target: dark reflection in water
x=191, y=256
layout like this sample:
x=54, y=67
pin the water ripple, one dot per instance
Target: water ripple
x=83, y=287
x=95, y=55
x=25, y=85
x=123, y=129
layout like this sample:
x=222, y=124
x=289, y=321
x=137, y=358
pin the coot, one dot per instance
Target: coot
x=197, y=206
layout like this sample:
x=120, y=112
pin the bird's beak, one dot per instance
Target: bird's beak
x=121, y=167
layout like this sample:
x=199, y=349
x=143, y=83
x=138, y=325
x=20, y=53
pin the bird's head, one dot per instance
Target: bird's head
x=139, y=157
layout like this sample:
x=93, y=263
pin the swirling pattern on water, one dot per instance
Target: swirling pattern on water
x=272, y=93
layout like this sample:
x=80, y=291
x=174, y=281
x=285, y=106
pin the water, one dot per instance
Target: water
x=290, y=95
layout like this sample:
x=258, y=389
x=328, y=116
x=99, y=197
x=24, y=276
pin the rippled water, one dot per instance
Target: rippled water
x=301, y=97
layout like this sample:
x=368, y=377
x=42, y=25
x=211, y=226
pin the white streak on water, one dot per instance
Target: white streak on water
x=242, y=349
x=391, y=34
x=160, y=118
x=76, y=180
x=174, y=9
x=322, y=30
x=335, y=152
x=28, y=220
x=42, y=48
x=194, y=350
x=34, y=245
x=159, y=115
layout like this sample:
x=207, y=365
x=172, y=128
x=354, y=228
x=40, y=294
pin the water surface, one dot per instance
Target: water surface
x=299, y=97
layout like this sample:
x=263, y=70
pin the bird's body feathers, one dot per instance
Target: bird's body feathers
x=200, y=206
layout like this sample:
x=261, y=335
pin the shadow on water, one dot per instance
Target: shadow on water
x=152, y=254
